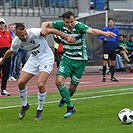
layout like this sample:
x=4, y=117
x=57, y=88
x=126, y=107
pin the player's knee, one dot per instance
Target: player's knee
x=21, y=83
x=40, y=85
x=58, y=82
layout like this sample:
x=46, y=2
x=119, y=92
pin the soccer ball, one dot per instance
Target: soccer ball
x=126, y=116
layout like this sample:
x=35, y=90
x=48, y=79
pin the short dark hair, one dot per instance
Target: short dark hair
x=68, y=14
x=20, y=26
x=131, y=35
x=110, y=19
x=120, y=34
x=124, y=36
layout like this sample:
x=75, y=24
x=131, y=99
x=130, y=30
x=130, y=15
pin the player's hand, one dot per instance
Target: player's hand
x=124, y=47
x=71, y=39
x=1, y=61
x=110, y=34
x=44, y=32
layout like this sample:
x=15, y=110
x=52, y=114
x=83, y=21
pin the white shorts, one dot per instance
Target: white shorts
x=35, y=66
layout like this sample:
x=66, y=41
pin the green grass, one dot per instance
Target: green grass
x=97, y=112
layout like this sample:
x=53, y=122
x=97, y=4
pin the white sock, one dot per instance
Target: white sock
x=23, y=96
x=41, y=99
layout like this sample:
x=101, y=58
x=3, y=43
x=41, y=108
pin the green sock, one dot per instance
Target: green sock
x=71, y=92
x=65, y=95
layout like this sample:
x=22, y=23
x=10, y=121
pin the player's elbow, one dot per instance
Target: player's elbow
x=10, y=52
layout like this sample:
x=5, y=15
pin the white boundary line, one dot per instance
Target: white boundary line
x=105, y=91
x=83, y=98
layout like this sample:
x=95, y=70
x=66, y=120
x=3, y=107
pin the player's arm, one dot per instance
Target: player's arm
x=100, y=32
x=57, y=32
x=47, y=28
x=46, y=24
x=44, y=27
x=6, y=55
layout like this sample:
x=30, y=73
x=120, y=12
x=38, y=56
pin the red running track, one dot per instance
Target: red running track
x=89, y=80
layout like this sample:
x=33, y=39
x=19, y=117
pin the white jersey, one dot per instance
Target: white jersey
x=35, y=44
x=41, y=58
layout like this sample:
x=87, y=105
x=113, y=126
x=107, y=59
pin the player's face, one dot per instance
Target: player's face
x=124, y=39
x=11, y=28
x=131, y=38
x=111, y=23
x=22, y=35
x=2, y=25
x=69, y=22
x=121, y=38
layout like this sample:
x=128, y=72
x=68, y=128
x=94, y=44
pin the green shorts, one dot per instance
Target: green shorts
x=71, y=68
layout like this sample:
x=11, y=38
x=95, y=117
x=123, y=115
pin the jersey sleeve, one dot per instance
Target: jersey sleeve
x=58, y=24
x=82, y=27
x=15, y=44
x=85, y=28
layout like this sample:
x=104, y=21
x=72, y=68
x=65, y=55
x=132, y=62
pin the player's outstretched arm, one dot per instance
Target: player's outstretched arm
x=6, y=55
x=100, y=32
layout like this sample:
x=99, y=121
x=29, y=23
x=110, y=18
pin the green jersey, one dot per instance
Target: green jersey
x=78, y=50
x=120, y=43
x=129, y=43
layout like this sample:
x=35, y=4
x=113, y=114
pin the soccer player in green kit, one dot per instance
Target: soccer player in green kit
x=75, y=57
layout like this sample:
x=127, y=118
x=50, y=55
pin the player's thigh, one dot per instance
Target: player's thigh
x=46, y=65
x=24, y=77
x=78, y=70
x=59, y=80
x=65, y=68
x=42, y=78
x=112, y=55
x=45, y=68
x=31, y=66
x=105, y=62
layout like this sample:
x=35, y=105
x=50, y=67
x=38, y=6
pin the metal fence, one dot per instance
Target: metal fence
x=37, y=7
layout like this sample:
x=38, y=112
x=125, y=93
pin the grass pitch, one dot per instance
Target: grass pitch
x=97, y=112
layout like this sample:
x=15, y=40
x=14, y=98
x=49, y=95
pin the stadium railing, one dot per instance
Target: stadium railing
x=37, y=7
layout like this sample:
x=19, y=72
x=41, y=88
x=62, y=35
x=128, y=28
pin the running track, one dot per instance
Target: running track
x=89, y=80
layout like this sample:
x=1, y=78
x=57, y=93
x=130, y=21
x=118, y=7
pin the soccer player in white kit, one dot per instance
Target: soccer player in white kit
x=39, y=63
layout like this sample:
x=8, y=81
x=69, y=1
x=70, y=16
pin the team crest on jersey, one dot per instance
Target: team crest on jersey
x=32, y=41
x=45, y=66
